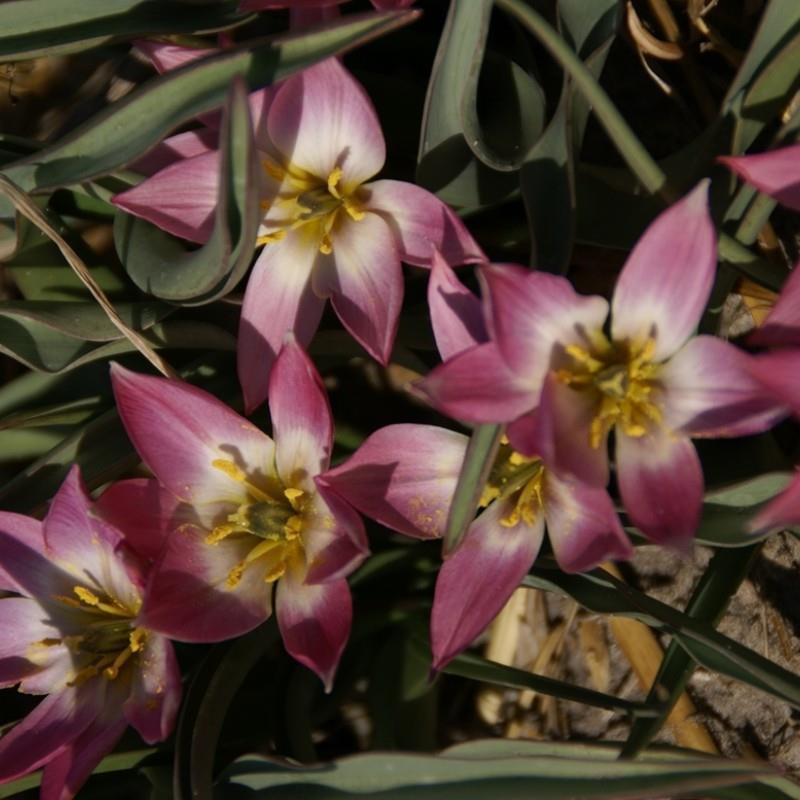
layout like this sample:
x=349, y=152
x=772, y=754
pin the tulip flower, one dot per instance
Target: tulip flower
x=247, y=513
x=404, y=476
x=776, y=173
x=327, y=232
x=650, y=380
x=73, y=631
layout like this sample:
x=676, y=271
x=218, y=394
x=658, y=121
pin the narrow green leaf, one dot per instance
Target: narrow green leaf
x=478, y=460
x=476, y=668
x=33, y=28
x=131, y=126
x=159, y=265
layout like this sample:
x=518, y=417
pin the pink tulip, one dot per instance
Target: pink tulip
x=776, y=173
x=73, y=631
x=651, y=381
x=327, y=232
x=247, y=513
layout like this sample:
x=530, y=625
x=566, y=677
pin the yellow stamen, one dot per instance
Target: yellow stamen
x=269, y=238
x=222, y=532
x=293, y=527
x=333, y=182
x=235, y=575
x=239, y=475
x=86, y=596
x=352, y=209
x=293, y=496
x=325, y=245
x=273, y=170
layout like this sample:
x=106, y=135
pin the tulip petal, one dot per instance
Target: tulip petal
x=321, y=119
x=181, y=146
x=782, y=326
x=314, y=620
x=422, y=224
x=404, y=477
x=776, y=173
x=665, y=283
x=661, y=483
x=166, y=57
x=456, y=313
x=781, y=512
x=583, y=526
x=23, y=623
x=779, y=372
x=477, y=385
x=708, y=391
x=278, y=298
x=25, y=567
x=89, y=549
x=333, y=537
x=301, y=418
x=179, y=199
x=155, y=691
x=68, y=771
x=142, y=509
x=188, y=598
x=180, y=430
x=533, y=316
x=58, y=720
x=364, y=279
x=475, y=582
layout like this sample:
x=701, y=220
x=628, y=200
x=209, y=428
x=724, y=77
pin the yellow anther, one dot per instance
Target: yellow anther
x=264, y=204
x=269, y=238
x=583, y=356
x=86, y=596
x=325, y=245
x=239, y=475
x=137, y=639
x=261, y=549
x=333, y=182
x=353, y=211
x=112, y=671
x=221, y=532
x=235, y=575
x=273, y=170
x=293, y=527
x=490, y=492
x=293, y=496
x=276, y=571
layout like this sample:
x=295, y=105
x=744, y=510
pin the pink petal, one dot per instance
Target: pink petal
x=68, y=771
x=58, y=720
x=422, y=224
x=155, y=691
x=25, y=567
x=775, y=173
x=559, y=432
x=779, y=373
x=142, y=509
x=259, y=5
x=278, y=299
x=404, y=477
x=475, y=582
x=391, y=5
x=180, y=199
x=708, y=391
x=583, y=526
x=661, y=482
x=188, y=598
x=177, y=148
x=334, y=538
x=321, y=119
x=314, y=621
x=308, y=17
x=23, y=623
x=782, y=326
x=781, y=512
x=456, y=313
x=477, y=385
x=86, y=547
x=179, y=430
x=665, y=283
x=301, y=418
x=533, y=315
x=165, y=57
x=365, y=282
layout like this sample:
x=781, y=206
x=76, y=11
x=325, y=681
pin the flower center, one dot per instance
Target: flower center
x=305, y=200
x=270, y=523
x=108, y=640
x=517, y=477
x=624, y=380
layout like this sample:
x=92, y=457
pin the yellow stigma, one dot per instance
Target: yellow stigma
x=624, y=382
x=333, y=182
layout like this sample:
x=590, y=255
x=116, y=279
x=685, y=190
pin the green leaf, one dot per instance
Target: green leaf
x=476, y=668
x=52, y=336
x=33, y=28
x=478, y=461
x=598, y=591
x=501, y=771
x=131, y=126
x=158, y=263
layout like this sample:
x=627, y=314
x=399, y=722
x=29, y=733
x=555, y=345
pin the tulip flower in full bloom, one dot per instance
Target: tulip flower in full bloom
x=650, y=381
x=73, y=632
x=247, y=513
x=404, y=476
x=326, y=231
